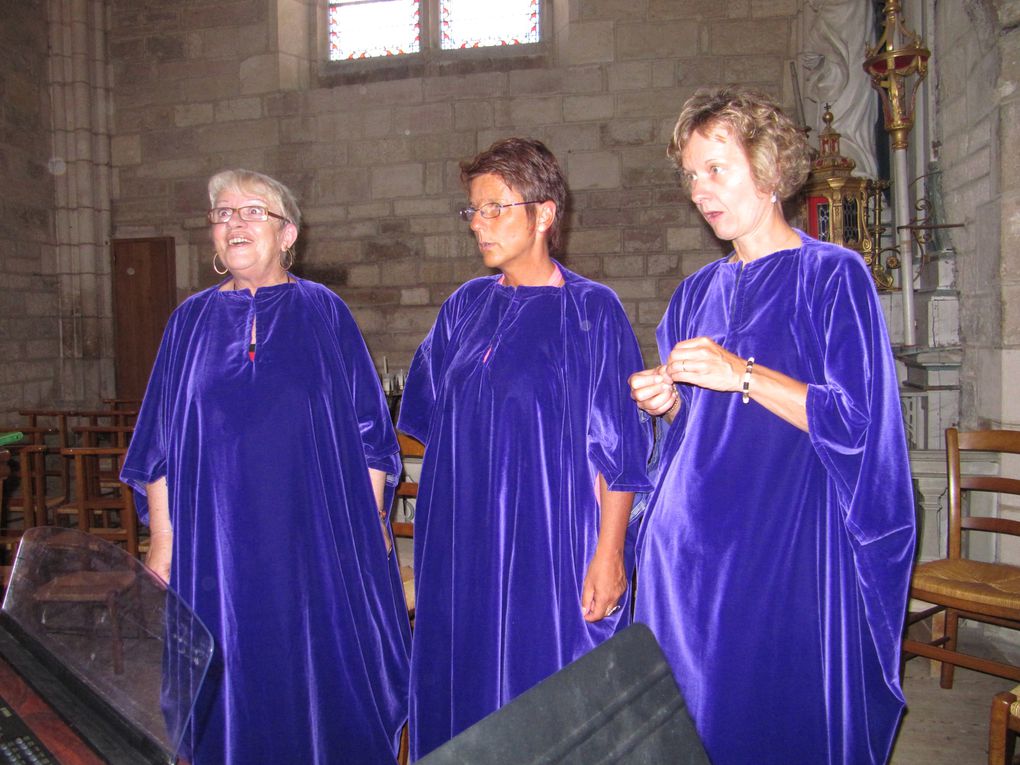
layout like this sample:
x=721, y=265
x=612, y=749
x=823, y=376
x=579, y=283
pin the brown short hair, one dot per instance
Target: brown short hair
x=777, y=150
x=528, y=167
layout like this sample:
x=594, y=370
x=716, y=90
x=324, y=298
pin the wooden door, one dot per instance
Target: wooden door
x=144, y=295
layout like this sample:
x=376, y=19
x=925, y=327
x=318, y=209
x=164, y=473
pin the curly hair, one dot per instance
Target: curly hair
x=528, y=167
x=250, y=182
x=777, y=150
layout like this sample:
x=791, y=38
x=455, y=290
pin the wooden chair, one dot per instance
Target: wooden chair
x=103, y=475
x=103, y=589
x=961, y=588
x=8, y=544
x=1003, y=725
x=407, y=489
x=95, y=511
x=58, y=473
x=64, y=421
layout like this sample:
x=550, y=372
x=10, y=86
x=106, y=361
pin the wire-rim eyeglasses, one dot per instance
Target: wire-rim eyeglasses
x=492, y=209
x=249, y=213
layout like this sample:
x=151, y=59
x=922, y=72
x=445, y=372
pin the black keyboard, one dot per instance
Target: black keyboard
x=17, y=744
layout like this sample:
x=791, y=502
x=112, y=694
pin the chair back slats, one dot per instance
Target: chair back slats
x=995, y=525
x=958, y=442
x=993, y=483
x=988, y=440
x=92, y=504
x=410, y=447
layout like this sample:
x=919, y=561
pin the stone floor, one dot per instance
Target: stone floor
x=947, y=727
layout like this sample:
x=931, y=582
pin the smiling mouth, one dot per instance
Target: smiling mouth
x=237, y=240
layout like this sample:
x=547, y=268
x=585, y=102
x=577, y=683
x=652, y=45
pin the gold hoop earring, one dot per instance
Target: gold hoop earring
x=287, y=258
x=214, y=268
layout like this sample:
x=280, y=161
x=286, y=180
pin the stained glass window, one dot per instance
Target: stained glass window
x=371, y=28
x=851, y=218
x=823, y=222
x=474, y=24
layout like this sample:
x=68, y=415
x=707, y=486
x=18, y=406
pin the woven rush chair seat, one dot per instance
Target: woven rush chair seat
x=1003, y=725
x=992, y=584
x=958, y=587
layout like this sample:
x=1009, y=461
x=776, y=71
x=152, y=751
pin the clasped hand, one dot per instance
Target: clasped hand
x=699, y=361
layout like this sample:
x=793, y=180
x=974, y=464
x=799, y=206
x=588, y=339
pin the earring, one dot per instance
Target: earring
x=287, y=258
x=774, y=197
x=214, y=268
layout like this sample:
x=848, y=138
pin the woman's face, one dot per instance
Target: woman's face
x=722, y=186
x=510, y=239
x=251, y=249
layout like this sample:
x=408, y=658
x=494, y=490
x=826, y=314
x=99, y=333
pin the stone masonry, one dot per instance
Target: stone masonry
x=372, y=149
x=29, y=327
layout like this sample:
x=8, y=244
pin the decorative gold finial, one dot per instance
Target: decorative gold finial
x=897, y=57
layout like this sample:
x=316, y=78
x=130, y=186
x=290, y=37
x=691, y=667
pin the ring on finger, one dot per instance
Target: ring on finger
x=613, y=610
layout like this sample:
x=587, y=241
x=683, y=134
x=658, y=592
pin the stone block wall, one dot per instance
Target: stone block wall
x=372, y=155
x=29, y=328
x=977, y=80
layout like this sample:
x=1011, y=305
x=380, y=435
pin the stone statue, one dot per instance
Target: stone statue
x=834, y=51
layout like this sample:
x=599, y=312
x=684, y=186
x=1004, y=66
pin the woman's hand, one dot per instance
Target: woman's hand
x=378, y=481
x=653, y=391
x=703, y=362
x=604, y=584
x=161, y=532
x=160, y=555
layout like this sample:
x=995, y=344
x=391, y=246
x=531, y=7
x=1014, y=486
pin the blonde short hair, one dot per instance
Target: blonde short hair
x=248, y=181
x=777, y=150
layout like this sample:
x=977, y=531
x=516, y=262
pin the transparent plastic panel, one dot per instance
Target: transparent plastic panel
x=371, y=28
x=471, y=24
x=112, y=623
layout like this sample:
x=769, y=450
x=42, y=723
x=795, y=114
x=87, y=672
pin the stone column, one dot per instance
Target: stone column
x=79, y=90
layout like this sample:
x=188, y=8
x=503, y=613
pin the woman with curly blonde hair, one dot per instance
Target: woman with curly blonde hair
x=775, y=556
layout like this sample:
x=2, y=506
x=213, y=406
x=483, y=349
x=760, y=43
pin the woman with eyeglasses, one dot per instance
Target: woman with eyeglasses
x=532, y=454
x=263, y=447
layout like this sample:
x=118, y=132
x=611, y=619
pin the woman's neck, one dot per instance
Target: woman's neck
x=775, y=236
x=533, y=274
x=252, y=285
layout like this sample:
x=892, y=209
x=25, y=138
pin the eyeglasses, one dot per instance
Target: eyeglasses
x=250, y=213
x=491, y=209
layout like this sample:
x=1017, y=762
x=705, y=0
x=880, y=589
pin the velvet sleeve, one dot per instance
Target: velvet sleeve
x=424, y=376
x=146, y=458
x=854, y=416
x=377, y=435
x=669, y=332
x=856, y=427
x=618, y=439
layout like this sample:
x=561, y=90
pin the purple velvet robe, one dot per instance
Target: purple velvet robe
x=277, y=543
x=520, y=396
x=773, y=565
